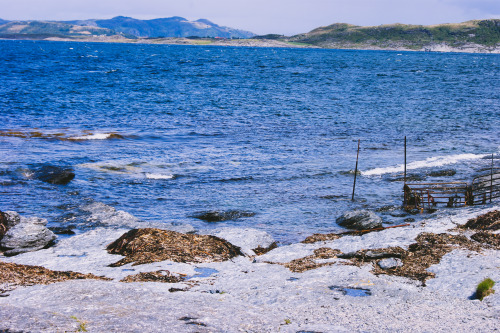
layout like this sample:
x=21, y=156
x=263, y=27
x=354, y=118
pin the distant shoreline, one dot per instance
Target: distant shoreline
x=270, y=43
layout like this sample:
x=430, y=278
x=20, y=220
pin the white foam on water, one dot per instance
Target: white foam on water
x=436, y=161
x=96, y=136
x=158, y=176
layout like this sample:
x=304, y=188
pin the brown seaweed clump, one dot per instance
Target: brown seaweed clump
x=488, y=238
x=263, y=250
x=143, y=246
x=158, y=276
x=3, y=224
x=25, y=275
x=486, y=222
x=313, y=261
x=428, y=250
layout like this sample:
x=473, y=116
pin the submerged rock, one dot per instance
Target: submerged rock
x=219, y=216
x=143, y=246
x=412, y=177
x=54, y=174
x=359, y=220
x=443, y=173
x=27, y=235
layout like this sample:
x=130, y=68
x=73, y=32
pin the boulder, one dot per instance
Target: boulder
x=359, y=220
x=29, y=234
x=390, y=263
x=54, y=174
x=219, y=216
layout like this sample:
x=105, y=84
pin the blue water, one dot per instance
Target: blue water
x=267, y=130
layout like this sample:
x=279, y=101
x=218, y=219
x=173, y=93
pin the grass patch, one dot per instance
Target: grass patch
x=485, y=288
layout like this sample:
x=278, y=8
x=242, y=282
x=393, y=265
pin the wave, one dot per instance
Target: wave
x=427, y=163
x=159, y=176
x=97, y=136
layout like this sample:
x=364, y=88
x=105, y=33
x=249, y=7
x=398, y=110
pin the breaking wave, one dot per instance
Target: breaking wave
x=427, y=163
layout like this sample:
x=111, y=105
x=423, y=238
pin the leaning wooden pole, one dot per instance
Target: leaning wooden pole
x=491, y=179
x=405, y=163
x=355, y=172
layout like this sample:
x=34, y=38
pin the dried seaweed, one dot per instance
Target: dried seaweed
x=309, y=262
x=148, y=245
x=26, y=275
x=427, y=251
x=158, y=276
x=487, y=238
x=489, y=221
x=262, y=250
x=3, y=224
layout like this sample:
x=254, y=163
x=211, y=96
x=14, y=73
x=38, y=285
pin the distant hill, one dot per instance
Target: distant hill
x=119, y=26
x=166, y=27
x=42, y=30
x=480, y=32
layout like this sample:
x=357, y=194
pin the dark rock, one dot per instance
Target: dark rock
x=62, y=230
x=30, y=234
x=219, y=216
x=54, y=174
x=443, y=173
x=3, y=224
x=359, y=220
x=410, y=219
x=149, y=245
x=412, y=177
x=388, y=208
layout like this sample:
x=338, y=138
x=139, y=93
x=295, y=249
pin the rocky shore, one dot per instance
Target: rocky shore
x=417, y=277
x=434, y=47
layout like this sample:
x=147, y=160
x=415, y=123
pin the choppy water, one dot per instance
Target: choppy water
x=272, y=131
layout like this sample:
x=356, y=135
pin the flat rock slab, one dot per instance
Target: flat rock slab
x=148, y=245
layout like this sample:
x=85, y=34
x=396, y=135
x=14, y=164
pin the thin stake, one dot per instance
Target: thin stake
x=405, y=161
x=491, y=184
x=355, y=173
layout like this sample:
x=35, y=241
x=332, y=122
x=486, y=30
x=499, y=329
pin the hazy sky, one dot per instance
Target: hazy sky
x=286, y=17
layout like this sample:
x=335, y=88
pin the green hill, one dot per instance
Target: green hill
x=42, y=30
x=481, y=32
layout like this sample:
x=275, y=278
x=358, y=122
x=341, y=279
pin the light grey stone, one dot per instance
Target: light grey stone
x=27, y=236
x=390, y=263
x=13, y=218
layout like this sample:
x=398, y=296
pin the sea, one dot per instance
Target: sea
x=164, y=133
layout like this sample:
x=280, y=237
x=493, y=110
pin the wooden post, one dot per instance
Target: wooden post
x=491, y=179
x=405, y=162
x=355, y=172
x=404, y=187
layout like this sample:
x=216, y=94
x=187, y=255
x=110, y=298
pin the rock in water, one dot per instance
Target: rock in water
x=29, y=234
x=359, y=220
x=219, y=216
x=149, y=245
x=54, y=175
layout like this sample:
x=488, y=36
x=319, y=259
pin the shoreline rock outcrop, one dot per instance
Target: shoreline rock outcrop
x=24, y=234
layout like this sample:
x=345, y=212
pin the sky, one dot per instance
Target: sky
x=286, y=17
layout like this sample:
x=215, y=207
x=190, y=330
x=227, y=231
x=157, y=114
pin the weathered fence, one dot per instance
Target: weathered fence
x=484, y=188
